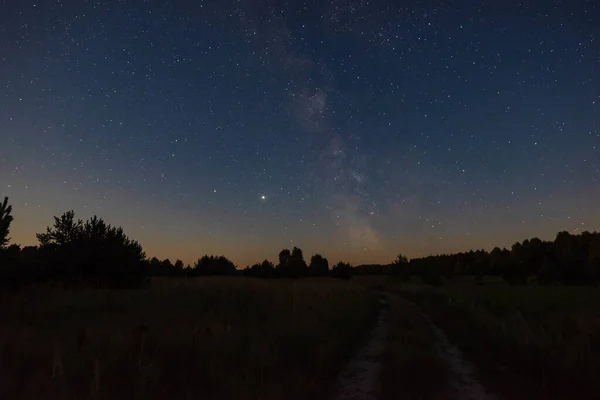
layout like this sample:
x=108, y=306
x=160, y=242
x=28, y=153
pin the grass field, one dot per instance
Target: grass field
x=528, y=342
x=411, y=368
x=246, y=338
x=198, y=338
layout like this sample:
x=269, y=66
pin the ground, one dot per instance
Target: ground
x=524, y=342
x=210, y=337
x=246, y=338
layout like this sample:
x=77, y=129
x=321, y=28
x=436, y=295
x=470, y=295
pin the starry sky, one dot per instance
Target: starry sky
x=356, y=129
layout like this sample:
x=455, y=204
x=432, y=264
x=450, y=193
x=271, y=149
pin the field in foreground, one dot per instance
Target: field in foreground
x=198, y=338
x=269, y=339
x=527, y=342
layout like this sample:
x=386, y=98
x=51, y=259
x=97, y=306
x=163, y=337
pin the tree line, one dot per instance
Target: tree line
x=73, y=251
x=291, y=265
x=92, y=252
x=568, y=259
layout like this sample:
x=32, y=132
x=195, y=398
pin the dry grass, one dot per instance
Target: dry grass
x=411, y=367
x=527, y=342
x=199, y=338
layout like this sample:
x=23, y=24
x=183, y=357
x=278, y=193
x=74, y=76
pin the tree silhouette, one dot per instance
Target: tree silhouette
x=569, y=259
x=22, y=266
x=266, y=269
x=13, y=251
x=296, y=255
x=499, y=261
x=213, y=265
x=284, y=257
x=165, y=267
x=342, y=270
x=319, y=266
x=400, y=268
x=594, y=257
x=65, y=231
x=110, y=257
x=97, y=253
x=155, y=266
x=283, y=268
x=10, y=275
x=298, y=267
x=291, y=264
x=5, y=221
x=93, y=252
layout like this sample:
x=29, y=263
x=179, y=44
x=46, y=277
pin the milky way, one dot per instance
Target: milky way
x=355, y=129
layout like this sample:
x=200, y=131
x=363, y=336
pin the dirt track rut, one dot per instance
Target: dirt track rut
x=360, y=378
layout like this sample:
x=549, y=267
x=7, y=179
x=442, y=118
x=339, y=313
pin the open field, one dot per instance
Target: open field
x=198, y=338
x=525, y=341
x=246, y=338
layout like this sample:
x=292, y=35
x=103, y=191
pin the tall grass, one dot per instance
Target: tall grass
x=529, y=341
x=411, y=367
x=197, y=338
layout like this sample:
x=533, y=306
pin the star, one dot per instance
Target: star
x=460, y=117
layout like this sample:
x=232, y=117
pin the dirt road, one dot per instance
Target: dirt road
x=361, y=379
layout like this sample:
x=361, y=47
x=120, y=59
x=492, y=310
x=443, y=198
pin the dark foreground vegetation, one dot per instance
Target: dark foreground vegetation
x=211, y=338
x=526, y=341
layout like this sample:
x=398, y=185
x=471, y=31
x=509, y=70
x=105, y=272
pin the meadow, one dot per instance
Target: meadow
x=527, y=342
x=246, y=338
x=211, y=337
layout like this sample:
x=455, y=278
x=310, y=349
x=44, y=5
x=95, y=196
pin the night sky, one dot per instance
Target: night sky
x=354, y=129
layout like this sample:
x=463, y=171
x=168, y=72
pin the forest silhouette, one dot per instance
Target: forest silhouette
x=92, y=252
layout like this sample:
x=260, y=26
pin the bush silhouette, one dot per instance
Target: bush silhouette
x=266, y=269
x=214, y=265
x=400, y=268
x=342, y=270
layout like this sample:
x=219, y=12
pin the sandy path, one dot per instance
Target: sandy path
x=360, y=378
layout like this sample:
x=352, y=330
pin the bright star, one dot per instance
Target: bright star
x=263, y=197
